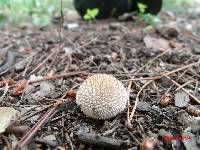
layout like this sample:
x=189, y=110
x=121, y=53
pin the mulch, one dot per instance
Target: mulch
x=65, y=58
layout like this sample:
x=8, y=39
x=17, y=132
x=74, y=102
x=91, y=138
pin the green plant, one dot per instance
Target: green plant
x=38, y=12
x=147, y=17
x=142, y=7
x=91, y=14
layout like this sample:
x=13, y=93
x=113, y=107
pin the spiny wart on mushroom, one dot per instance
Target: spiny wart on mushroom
x=102, y=96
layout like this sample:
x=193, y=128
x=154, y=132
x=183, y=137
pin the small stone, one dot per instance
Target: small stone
x=196, y=49
x=196, y=126
x=67, y=50
x=114, y=56
x=181, y=99
x=20, y=65
x=70, y=26
x=189, y=141
x=47, y=87
x=82, y=129
x=50, y=139
x=143, y=106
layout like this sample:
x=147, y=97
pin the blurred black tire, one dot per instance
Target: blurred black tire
x=116, y=8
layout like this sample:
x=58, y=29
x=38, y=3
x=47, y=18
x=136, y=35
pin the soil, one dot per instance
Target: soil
x=164, y=69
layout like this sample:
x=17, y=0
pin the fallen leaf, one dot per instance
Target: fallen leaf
x=20, y=88
x=165, y=100
x=157, y=43
x=7, y=114
x=71, y=93
x=114, y=56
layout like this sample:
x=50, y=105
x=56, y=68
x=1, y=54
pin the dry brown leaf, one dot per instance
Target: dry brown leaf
x=114, y=56
x=7, y=114
x=165, y=100
x=157, y=43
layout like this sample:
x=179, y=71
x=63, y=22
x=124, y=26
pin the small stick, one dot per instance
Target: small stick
x=86, y=44
x=5, y=91
x=137, y=99
x=60, y=76
x=128, y=110
x=26, y=138
x=152, y=60
x=27, y=115
x=167, y=74
x=130, y=83
x=28, y=64
x=196, y=99
x=54, y=58
x=182, y=86
x=90, y=138
x=134, y=138
x=146, y=78
x=42, y=63
x=69, y=142
x=182, y=68
x=109, y=132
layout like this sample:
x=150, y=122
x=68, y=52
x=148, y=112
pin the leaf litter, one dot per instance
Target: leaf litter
x=156, y=63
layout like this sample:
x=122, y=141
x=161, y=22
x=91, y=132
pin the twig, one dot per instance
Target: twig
x=55, y=55
x=42, y=63
x=182, y=68
x=182, y=86
x=130, y=83
x=53, y=61
x=128, y=110
x=129, y=118
x=60, y=76
x=152, y=60
x=27, y=114
x=86, y=44
x=137, y=99
x=9, y=146
x=109, y=132
x=167, y=74
x=25, y=139
x=196, y=99
x=69, y=142
x=98, y=140
x=133, y=138
x=196, y=87
x=5, y=91
x=146, y=78
x=29, y=59
x=49, y=113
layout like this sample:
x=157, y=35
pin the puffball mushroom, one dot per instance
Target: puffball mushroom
x=102, y=96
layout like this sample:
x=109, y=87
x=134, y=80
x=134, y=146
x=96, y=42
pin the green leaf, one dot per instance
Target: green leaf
x=142, y=7
x=91, y=14
x=2, y=17
x=150, y=19
x=86, y=17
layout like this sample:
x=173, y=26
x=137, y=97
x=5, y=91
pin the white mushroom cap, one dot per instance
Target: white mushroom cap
x=102, y=96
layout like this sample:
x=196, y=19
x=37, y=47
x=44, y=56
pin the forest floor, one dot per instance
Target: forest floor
x=42, y=68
